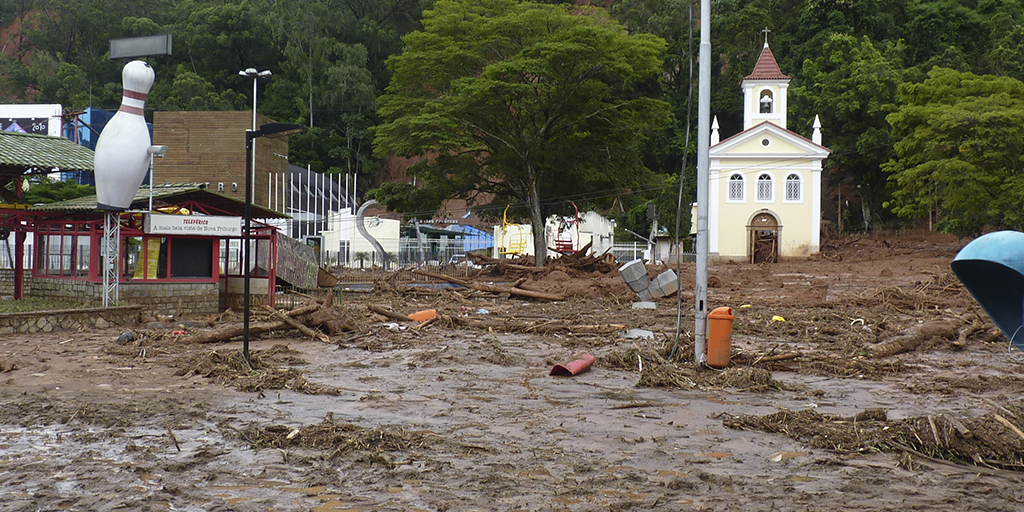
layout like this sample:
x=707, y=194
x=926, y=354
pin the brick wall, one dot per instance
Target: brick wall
x=210, y=147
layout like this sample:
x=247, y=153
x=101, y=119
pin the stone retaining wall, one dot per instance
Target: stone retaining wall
x=163, y=297
x=7, y=281
x=68, y=319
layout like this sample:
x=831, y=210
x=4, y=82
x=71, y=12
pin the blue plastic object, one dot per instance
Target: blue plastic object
x=992, y=268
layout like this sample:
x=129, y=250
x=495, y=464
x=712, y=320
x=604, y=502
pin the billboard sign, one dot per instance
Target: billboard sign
x=201, y=225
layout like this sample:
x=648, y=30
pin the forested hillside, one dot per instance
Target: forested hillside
x=921, y=101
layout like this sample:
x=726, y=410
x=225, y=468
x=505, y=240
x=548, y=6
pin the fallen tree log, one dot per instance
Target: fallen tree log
x=225, y=333
x=328, y=318
x=311, y=315
x=945, y=328
x=535, y=295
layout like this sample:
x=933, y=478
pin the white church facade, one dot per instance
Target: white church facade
x=764, y=197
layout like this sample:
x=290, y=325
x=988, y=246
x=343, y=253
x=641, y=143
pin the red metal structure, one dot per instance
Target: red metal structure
x=565, y=243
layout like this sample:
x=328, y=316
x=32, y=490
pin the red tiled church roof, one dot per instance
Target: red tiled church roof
x=766, y=67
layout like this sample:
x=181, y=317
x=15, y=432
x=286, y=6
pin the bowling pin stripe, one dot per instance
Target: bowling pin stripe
x=133, y=102
x=127, y=109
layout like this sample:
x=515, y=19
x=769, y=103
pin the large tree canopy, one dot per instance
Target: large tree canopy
x=526, y=104
x=852, y=86
x=960, y=153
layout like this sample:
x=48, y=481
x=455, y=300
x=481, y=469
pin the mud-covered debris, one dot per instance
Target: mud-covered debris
x=230, y=368
x=339, y=438
x=657, y=372
x=991, y=440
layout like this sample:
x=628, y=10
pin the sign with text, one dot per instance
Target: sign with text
x=201, y=225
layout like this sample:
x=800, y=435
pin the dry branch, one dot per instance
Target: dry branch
x=778, y=357
x=312, y=333
x=1009, y=425
x=388, y=313
x=544, y=327
x=491, y=288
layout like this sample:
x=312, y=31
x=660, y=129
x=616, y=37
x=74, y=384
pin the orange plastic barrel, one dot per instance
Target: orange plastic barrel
x=719, y=337
x=423, y=316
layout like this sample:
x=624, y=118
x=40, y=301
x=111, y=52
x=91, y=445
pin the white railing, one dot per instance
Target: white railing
x=7, y=255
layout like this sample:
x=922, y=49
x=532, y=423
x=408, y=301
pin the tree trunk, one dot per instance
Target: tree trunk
x=540, y=243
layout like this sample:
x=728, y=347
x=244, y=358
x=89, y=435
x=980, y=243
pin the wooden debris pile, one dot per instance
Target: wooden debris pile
x=578, y=262
x=317, y=318
x=498, y=324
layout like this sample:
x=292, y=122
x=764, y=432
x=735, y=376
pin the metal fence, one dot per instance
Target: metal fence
x=7, y=255
x=625, y=253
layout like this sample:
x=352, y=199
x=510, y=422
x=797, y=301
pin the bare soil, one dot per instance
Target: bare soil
x=461, y=413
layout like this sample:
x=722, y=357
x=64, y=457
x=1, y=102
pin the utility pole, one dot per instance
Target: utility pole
x=703, y=166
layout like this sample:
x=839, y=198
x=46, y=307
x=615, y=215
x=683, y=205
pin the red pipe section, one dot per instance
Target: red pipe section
x=573, y=368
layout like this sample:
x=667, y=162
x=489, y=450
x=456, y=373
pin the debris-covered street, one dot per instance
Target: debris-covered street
x=865, y=379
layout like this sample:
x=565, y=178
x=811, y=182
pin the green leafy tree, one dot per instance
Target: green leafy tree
x=663, y=152
x=327, y=82
x=852, y=86
x=189, y=91
x=42, y=189
x=531, y=104
x=959, y=157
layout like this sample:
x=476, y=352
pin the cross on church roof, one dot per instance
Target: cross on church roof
x=766, y=31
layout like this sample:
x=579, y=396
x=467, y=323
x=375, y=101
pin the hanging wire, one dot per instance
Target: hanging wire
x=1015, y=354
x=682, y=180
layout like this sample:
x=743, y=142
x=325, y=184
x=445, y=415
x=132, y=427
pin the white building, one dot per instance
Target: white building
x=764, y=197
x=565, y=233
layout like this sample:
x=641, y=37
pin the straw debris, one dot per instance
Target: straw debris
x=990, y=440
x=230, y=368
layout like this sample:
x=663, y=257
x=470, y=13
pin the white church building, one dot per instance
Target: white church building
x=764, y=197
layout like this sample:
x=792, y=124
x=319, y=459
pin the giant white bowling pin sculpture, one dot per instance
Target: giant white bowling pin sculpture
x=122, y=151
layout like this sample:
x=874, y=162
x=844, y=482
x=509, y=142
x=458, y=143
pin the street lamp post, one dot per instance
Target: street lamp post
x=273, y=131
x=252, y=73
x=159, y=151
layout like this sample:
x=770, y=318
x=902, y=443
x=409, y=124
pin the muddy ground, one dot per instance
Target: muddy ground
x=461, y=414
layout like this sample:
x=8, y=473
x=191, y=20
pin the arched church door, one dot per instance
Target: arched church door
x=764, y=239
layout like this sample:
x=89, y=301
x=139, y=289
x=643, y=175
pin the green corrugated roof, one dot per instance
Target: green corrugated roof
x=169, y=194
x=24, y=152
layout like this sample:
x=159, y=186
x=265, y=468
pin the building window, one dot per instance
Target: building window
x=736, y=188
x=793, y=189
x=766, y=102
x=62, y=250
x=764, y=188
x=174, y=258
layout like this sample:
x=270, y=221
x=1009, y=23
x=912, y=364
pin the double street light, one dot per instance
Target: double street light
x=273, y=131
x=255, y=75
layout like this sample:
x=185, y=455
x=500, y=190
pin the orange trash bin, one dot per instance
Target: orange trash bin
x=719, y=337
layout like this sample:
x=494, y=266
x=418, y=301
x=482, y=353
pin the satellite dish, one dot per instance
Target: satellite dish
x=992, y=268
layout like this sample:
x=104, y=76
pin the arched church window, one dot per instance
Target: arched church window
x=793, y=188
x=736, y=187
x=766, y=102
x=764, y=187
